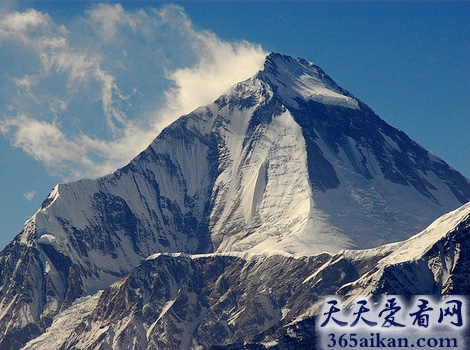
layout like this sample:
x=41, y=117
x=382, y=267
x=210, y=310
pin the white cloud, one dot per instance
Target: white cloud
x=220, y=65
x=22, y=25
x=107, y=18
x=46, y=143
x=30, y=195
x=84, y=100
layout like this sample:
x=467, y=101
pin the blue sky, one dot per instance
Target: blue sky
x=85, y=86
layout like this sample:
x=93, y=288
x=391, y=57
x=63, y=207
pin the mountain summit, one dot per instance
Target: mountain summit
x=316, y=169
x=284, y=163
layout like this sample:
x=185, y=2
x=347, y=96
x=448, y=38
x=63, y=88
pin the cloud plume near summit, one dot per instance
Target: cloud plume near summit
x=86, y=96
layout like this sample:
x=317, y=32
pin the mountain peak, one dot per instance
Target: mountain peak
x=297, y=79
x=286, y=163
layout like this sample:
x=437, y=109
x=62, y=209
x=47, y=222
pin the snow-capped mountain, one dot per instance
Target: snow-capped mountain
x=178, y=301
x=277, y=175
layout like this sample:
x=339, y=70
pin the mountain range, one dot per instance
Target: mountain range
x=230, y=229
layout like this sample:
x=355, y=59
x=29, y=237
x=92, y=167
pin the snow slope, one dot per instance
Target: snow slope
x=199, y=301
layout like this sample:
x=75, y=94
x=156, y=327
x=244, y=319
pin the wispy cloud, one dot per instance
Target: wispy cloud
x=87, y=97
x=30, y=195
x=219, y=66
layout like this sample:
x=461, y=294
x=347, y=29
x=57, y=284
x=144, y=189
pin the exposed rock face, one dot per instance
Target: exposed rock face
x=178, y=301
